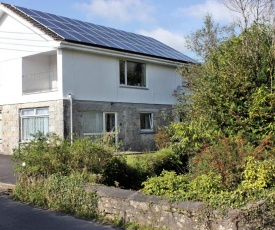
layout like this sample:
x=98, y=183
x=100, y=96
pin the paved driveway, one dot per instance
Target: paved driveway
x=15, y=215
x=6, y=170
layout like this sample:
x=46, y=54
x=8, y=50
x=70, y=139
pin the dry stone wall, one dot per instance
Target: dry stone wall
x=132, y=206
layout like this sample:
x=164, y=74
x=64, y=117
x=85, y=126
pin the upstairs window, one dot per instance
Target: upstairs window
x=132, y=73
x=34, y=121
x=146, y=122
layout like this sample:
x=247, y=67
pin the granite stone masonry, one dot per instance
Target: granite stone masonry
x=130, y=135
x=132, y=206
x=11, y=122
x=128, y=121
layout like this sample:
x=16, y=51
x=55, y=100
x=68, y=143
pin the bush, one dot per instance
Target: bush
x=46, y=156
x=168, y=184
x=152, y=164
x=165, y=159
x=67, y=194
x=258, y=174
x=118, y=173
x=227, y=157
x=57, y=192
x=204, y=187
x=163, y=139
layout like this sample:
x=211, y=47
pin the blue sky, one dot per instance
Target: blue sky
x=166, y=20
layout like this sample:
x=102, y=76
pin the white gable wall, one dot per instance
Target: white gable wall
x=96, y=77
x=19, y=39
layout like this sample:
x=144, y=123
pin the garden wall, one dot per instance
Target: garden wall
x=132, y=206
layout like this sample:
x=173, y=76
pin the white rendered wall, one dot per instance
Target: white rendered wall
x=84, y=75
x=18, y=39
x=96, y=77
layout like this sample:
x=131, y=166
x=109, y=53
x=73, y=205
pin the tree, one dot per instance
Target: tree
x=205, y=40
x=232, y=90
x=252, y=11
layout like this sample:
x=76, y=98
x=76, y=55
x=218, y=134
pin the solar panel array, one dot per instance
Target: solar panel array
x=89, y=33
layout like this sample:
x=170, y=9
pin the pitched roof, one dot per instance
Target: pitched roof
x=75, y=31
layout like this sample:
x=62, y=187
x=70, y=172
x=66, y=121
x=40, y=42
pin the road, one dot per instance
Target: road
x=15, y=215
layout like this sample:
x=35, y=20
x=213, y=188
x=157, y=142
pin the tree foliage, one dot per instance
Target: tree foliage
x=232, y=90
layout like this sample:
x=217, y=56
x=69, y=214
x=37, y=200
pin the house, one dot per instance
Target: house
x=64, y=76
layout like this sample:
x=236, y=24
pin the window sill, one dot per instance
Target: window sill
x=38, y=92
x=147, y=132
x=133, y=87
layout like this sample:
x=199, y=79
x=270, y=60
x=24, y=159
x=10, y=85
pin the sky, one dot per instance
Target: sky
x=168, y=21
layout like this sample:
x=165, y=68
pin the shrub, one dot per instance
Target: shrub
x=57, y=192
x=204, y=186
x=66, y=193
x=163, y=139
x=152, y=164
x=119, y=173
x=226, y=158
x=168, y=184
x=165, y=159
x=46, y=156
x=30, y=190
x=258, y=174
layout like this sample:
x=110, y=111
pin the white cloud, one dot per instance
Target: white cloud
x=119, y=10
x=218, y=11
x=172, y=39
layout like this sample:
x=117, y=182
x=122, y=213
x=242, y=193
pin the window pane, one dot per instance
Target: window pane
x=44, y=111
x=122, y=72
x=33, y=125
x=146, y=121
x=110, y=120
x=27, y=112
x=92, y=122
x=0, y=126
x=136, y=74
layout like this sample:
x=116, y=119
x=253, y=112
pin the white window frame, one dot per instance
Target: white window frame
x=104, y=126
x=28, y=116
x=151, y=120
x=126, y=77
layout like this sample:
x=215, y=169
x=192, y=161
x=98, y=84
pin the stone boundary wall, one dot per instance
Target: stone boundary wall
x=132, y=206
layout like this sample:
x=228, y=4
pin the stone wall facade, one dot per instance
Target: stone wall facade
x=11, y=122
x=132, y=206
x=128, y=119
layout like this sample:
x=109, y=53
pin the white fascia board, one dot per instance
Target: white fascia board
x=27, y=24
x=120, y=54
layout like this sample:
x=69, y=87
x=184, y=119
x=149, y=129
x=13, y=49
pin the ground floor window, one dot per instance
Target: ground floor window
x=33, y=121
x=1, y=126
x=146, y=122
x=96, y=123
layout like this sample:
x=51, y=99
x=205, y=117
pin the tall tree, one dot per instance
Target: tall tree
x=205, y=40
x=232, y=90
x=252, y=11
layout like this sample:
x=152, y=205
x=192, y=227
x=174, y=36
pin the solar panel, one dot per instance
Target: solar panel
x=96, y=35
